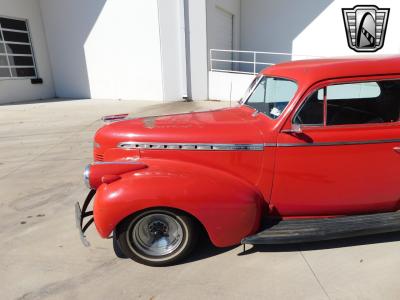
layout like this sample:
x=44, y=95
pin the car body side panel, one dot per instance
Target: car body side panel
x=243, y=164
x=336, y=180
x=228, y=207
x=337, y=170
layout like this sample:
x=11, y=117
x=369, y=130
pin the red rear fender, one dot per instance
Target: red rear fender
x=228, y=207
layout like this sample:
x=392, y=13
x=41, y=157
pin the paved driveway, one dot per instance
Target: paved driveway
x=43, y=150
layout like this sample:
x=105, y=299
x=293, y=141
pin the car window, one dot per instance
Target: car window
x=272, y=95
x=312, y=111
x=250, y=88
x=355, y=103
x=361, y=90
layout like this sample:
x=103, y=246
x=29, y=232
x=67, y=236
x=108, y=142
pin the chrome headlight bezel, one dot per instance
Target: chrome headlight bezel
x=86, y=176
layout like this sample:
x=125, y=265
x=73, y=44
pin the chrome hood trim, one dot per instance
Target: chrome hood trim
x=191, y=146
x=114, y=118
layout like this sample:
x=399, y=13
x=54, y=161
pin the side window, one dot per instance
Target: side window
x=353, y=103
x=356, y=103
x=312, y=111
x=362, y=90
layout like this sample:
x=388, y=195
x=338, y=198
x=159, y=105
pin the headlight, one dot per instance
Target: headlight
x=96, y=145
x=86, y=175
x=97, y=173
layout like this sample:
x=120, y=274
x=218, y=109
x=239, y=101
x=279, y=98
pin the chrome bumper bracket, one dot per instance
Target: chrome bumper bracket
x=81, y=214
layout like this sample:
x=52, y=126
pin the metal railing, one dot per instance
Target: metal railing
x=246, y=62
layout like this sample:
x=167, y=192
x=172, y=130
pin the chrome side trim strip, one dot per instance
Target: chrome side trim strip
x=241, y=147
x=190, y=146
x=115, y=163
x=349, y=143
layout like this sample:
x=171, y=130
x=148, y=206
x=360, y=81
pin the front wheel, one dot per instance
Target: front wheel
x=157, y=237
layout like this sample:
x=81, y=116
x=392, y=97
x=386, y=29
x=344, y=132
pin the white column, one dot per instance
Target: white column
x=172, y=44
x=198, y=49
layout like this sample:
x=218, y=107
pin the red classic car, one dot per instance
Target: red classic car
x=312, y=152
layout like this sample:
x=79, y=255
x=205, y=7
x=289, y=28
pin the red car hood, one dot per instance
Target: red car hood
x=232, y=125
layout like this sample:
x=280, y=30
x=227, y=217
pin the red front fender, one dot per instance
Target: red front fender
x=228, y=207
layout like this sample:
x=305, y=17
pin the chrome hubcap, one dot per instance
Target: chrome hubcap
x=157, y=234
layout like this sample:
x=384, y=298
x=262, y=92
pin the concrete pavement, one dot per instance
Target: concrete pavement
x=43, y=150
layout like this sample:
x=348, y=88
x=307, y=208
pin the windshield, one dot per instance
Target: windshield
x=272, y=95
x=249, y=89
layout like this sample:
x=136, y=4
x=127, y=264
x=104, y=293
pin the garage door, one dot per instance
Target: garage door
x=224, y=29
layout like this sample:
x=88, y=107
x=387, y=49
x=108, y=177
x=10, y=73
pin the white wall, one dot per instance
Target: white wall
x=104, y=49
x=14, y=90
x=325, y=35
x=228, y=86
x=173, y=54
x=270, y=25
x=67, y=26
x=198, y=49
x=307, y=27
x=123, y=52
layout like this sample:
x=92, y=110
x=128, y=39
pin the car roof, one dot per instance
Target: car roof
x=314, y=70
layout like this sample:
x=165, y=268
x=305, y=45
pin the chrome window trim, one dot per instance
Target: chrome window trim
x=191, y=146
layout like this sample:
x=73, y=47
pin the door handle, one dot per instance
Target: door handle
x=397, y=149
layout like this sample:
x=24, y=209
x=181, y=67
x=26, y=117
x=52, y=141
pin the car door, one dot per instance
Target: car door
x=342, y=155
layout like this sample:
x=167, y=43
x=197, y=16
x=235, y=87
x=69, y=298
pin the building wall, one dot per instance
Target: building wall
x=272, y=26
x=67, y=27
x=309, y=28
x=173, y=54
x=14, y=90
x=215, y=37
x=228, y=86
x=325, y=35
x=231, y=6
x=104, y=49
x=198, y=49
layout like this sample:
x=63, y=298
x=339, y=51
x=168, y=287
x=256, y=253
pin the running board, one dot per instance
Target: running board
x=311, y=230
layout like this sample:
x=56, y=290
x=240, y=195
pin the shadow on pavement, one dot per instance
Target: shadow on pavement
x=204, y=250
x=324, y=245
x=40, y=101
